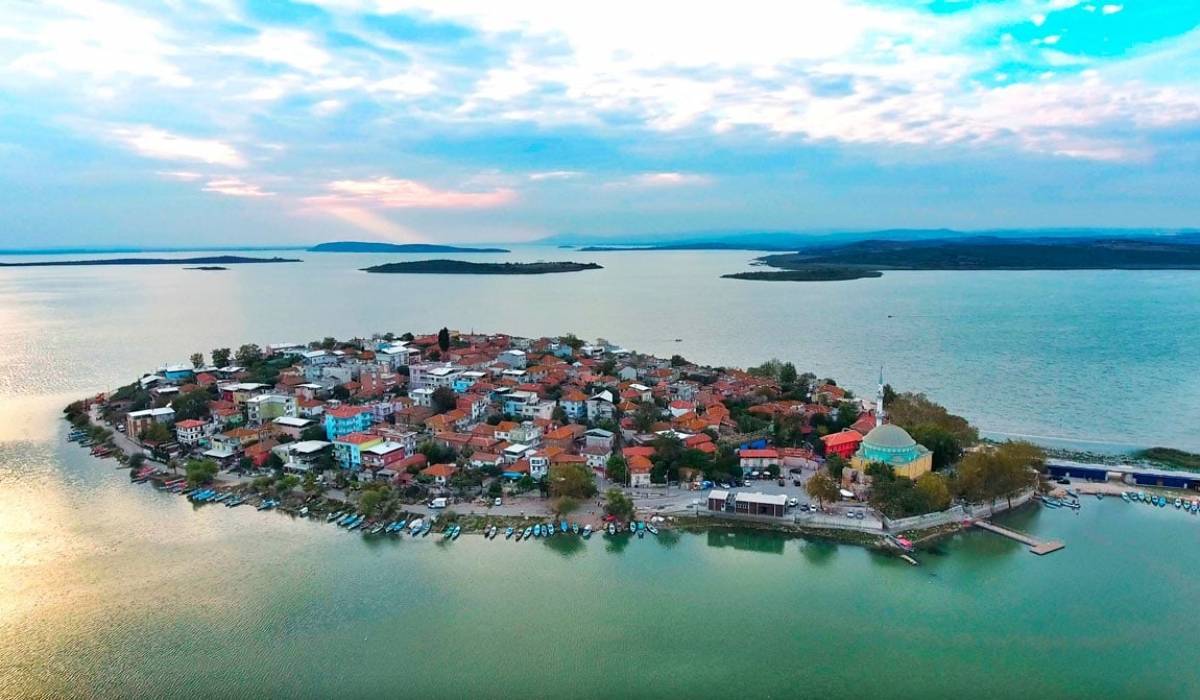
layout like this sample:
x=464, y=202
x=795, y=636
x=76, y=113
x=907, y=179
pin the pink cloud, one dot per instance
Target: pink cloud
x=407, y=194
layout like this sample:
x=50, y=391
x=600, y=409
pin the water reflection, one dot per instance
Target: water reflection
x=565, y=545
x=616, y=544
x=748, y=540
x=818, y=552
x=668, y=538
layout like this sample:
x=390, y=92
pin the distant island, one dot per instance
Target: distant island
x=210, y=261
x=374, y=247
x=868, y=258
x=461, y=267
x=810, y=274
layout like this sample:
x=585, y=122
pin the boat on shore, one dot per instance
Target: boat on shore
x=587, y=531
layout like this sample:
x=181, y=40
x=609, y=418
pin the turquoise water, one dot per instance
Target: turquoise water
x=108, y=589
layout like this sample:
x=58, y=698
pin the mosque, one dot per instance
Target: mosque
x=891, y=445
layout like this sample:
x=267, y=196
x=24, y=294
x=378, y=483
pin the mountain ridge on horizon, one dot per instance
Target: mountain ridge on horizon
x=789, y=240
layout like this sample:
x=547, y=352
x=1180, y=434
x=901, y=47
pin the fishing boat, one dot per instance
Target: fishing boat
x=527, y=533
x=564, y=525
x=334, y=516
x=1050, y=503
x=457, y=531
x=641, y=533
x=377, y=529
x=1125, y=496
x=1072, y=493
x=587, y=531
x=428, y=528
x=612, y=529
x=652, y=530
x=575, y=528
x=508, y=533
x=1178, y=502
x=492, y=532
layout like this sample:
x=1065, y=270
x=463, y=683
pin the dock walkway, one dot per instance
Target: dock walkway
x=1035, y=545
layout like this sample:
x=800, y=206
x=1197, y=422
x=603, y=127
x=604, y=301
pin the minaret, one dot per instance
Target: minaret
x=879, y=400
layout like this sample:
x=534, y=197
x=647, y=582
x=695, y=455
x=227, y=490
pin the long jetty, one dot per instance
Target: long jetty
x=1039, y=547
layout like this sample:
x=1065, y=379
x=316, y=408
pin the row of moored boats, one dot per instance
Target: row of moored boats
x=1192, y=506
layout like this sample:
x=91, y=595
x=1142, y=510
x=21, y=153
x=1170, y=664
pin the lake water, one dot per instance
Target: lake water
x=114, y=590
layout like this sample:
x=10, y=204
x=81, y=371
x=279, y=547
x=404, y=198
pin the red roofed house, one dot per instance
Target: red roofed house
x=758, y=459
x=639, y=471
x=441, y=473
x=190, y=431
x=843, y=444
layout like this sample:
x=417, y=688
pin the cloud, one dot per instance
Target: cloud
x=99, y=39
x=555, y=175
x=396, y=193
x=1111, y=9
x=288, y=47
x=235, y=187
x=151, y=142
x=663, y=179
x=181, y=175
x=325, y=108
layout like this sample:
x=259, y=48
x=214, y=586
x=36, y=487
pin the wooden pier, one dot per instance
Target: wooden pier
x=1035, y=545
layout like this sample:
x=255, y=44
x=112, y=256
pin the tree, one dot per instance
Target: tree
x=341, y=393
x=274, y=462
x=934, y=491
x=822, y=487
x=328, y=343
x=310, y=484
x=909, y=410
x=616, y=469
x=157, y=433
x=618, y=505
x=369, y=501
x=678, y=361
x=646, y=415
x=444, y=399
x=572, y=481
x=220, y=357
x=443, y=339
x=197, y=360
x=249, y=355
x=787, y=373
x=192, y=405
x=136, y=460
x=991, y=472
x=313, y=432
x=945, y=445
x=836, y=465
x=200, y=471
x=559, y=415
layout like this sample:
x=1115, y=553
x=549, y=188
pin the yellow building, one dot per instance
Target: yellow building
x=893, y=446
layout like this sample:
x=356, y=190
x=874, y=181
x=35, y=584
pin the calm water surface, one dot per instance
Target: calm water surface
x=114, y=590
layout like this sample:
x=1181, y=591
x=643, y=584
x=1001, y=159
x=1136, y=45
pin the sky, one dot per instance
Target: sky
x=210, y=122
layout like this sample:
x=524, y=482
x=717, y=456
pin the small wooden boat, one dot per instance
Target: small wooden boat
x=508, y=533
x=564, y=526
x=652, y=530
x=587, y=531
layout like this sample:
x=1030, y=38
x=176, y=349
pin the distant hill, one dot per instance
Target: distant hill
x=799, y=240
x=211, y=261
x=462, y=267
x=373, y=247
x=991, y=253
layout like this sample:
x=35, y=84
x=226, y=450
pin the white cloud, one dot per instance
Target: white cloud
x=662, y=179
x=1111, y=9
x=180, y=175
x=407, y=194
x=235, y=187
x=289, y=47
x=98, y=39
x=156, y=143
x=555, y=175
x=325, y=108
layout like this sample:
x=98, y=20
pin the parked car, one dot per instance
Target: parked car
x=497, y=502
x=793, y=502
